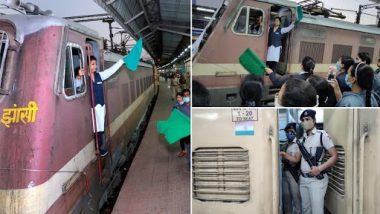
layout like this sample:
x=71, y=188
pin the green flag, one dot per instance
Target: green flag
x=176, y=127
x=299, y=14
x=133, y=58
x=251, y=62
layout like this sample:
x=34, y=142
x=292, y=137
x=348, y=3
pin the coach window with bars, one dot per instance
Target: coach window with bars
x=74, y=84
x=312, y=49
x=339, y=51
x=249, y=21
x=221, y=174
x=4, y=43
x=336, y=173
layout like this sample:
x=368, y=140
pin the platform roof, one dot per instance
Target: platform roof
x=164, y=25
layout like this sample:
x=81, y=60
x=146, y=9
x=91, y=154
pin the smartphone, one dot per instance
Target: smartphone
x=330, y=77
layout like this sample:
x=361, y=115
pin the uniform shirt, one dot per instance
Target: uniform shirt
x=100, y=77
x=274, y=49
x=292, y=149
x=351, y=99
x=97, y=85
x=312, y=142
x=342, y=82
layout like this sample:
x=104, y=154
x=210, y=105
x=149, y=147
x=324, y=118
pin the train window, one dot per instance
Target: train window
x=336, y=173
x=340, y=50
x=312, y=49
x=368, y=50
x=241, y=21
x=249, y=21
x=221, y=174
x=74, y=84
x=4, y=43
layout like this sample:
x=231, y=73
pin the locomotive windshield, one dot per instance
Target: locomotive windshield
x=4, y=43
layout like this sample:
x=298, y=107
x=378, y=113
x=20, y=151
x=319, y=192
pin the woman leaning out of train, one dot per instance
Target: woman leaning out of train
x=97, y=79
x=274, y=42
x=360, y=79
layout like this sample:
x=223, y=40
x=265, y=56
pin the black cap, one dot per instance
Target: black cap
x=308, y=113
x=290, y=126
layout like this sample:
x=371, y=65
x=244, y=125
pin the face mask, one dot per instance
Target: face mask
x=290, y=136
x=347, y=82
x=338, y=66
x=186, y=99
x=307, y=124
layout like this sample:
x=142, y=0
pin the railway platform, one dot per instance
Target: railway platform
x=158, y=180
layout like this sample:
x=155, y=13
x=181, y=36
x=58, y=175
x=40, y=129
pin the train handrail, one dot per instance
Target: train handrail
x=275, y=183
x=88, y=50
x=361, y=170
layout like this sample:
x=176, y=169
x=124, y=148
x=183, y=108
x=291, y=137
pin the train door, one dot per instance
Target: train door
x=341, y=125
x=353, y=181
x=243, y=25
x=285, y=13
x=367, y=164
x=235, y=164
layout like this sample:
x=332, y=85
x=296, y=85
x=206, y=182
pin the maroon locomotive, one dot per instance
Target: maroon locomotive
x=48, y=162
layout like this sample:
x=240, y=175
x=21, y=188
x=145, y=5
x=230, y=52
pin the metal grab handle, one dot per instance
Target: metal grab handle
x=275, y=184
x=361, y=173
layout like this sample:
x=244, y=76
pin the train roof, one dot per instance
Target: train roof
x=281, y=2
x=328, y=22
x=114, y=57
x=334, y=23
x=27, y=24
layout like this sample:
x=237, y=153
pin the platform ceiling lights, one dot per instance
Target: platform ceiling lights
x=177, y=57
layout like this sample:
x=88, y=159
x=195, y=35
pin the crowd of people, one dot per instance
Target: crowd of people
x=350, y=83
